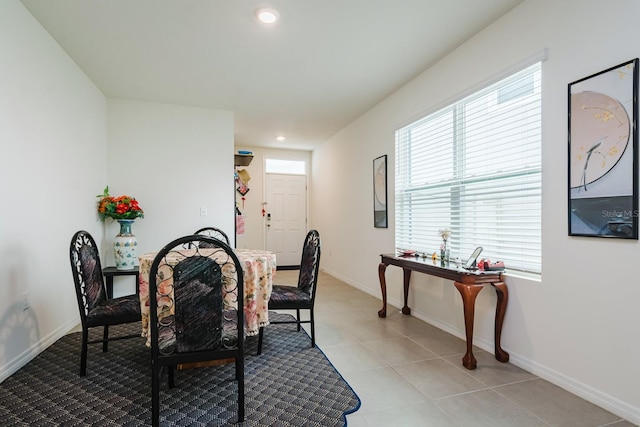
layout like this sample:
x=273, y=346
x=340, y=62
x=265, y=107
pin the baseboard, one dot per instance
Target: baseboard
x=12, y=366
x=603, y=400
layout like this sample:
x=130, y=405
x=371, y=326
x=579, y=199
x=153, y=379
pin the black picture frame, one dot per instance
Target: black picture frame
x=380, y=211
x=603, y=153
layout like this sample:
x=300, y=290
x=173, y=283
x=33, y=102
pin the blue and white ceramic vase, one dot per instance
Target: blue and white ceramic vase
x=125, y=246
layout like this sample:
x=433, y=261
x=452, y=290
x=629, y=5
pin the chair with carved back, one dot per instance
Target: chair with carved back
x=302, y=296
x=197, y=284
x=95, y=306
x=214, y=232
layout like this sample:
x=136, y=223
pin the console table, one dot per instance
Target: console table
x=468, y=282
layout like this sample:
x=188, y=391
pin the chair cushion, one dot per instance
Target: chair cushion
x=115, y=311
x=284, y=297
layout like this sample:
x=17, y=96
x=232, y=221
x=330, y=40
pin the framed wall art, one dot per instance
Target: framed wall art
x=603, y=151
x=380, y=219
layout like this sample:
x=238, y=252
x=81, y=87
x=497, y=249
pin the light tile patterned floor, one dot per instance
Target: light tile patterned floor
x=408, y=373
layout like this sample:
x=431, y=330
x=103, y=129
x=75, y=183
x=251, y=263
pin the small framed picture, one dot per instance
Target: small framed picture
x=380, y=219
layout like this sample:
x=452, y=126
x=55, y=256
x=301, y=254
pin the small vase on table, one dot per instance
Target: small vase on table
x=444, y=252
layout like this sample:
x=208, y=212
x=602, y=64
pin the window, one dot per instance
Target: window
x=293, y=167
x=475, y=167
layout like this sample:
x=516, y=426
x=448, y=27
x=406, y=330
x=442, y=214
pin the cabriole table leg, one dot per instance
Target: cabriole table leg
x=383, y=287
x=407, y=278
x=501, y=308
x=469, y=293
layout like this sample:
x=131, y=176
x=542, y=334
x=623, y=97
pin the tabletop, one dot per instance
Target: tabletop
x=259, y=270
x=445, y=270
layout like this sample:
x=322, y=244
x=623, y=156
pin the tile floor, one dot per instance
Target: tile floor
x=408, y=373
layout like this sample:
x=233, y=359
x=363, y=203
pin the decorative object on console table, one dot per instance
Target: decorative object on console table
x=603, y=153
x=124, y=209
x=444, y=252
x=445, y=233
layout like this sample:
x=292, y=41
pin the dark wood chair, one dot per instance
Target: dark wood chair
x=301, y=297
x=95, y=306
x=198, y=315
x=214, y=232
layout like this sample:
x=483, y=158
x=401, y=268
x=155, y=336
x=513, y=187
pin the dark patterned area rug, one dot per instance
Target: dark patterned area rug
x=289, y=384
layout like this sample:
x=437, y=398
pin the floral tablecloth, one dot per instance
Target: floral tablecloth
x=259, y=269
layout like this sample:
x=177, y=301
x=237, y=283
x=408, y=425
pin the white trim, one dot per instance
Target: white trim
x=34, y=350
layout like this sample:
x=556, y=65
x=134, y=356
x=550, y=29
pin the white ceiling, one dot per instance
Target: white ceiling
x=325, y=63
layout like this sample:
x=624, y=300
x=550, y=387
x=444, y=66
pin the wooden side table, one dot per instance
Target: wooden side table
x=110, y=272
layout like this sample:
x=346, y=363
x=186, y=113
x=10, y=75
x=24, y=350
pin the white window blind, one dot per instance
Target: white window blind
x=475, y=167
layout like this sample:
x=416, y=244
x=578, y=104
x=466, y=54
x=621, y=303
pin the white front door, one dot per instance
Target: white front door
x=286, y=216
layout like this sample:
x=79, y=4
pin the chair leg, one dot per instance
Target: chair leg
x=155, y=395
x=83, y=352
x=313, y=329
x=170, y=376
x=298, y=317
x=105, y=338
x=260, y=335
x=240, y=375
x=238, y=368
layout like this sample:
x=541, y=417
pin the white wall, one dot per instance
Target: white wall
x=254, y=236
x=578, y=326
x=62, y=142
x=53, y=163
x=174, y=160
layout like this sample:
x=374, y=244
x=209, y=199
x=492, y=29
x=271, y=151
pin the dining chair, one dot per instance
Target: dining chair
x=95, y=306
x=214, y=232
x=301, y=297
x=194, y=317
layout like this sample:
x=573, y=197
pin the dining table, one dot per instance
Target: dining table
x=259, y=270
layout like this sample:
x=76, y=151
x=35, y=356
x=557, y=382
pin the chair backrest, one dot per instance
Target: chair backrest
x=215, y=233
x=197, y=291
x=310, y=263
x=87, y=273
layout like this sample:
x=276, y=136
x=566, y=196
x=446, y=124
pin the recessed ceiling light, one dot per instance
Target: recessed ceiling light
x=280, y=138
x=268, y=16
